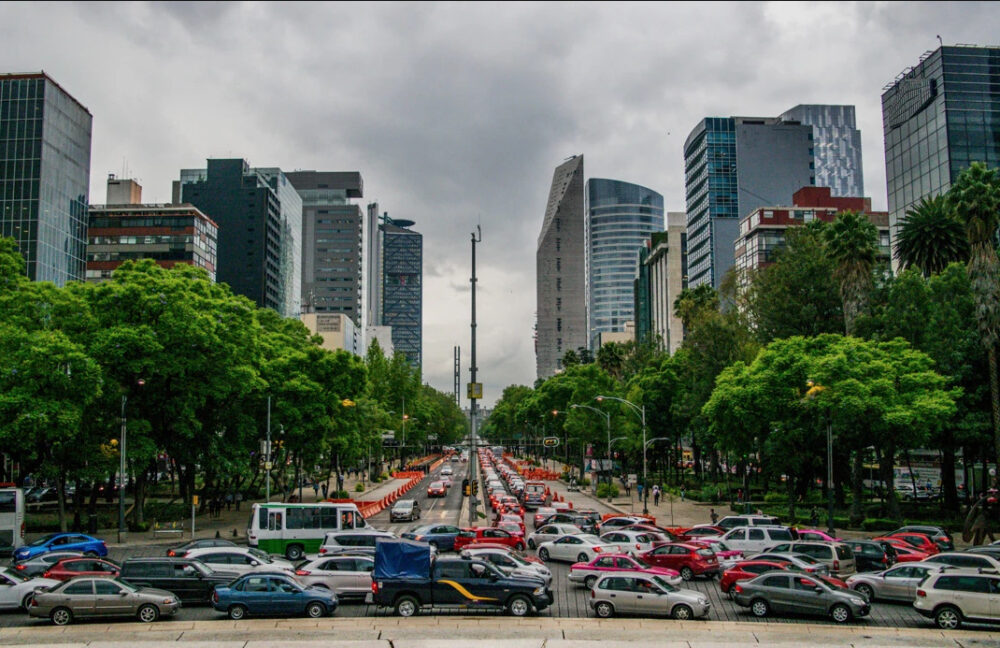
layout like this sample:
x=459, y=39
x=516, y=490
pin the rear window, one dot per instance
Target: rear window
x=844, y=553
x=780, y=534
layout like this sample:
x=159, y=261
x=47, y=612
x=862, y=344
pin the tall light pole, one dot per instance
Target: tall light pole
x=641, y=412
x=474, y=392
x=813, y=391
x=607, y=417
x=267, y=453
x=121, y=468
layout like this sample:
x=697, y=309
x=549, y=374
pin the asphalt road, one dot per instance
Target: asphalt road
x=571, y=600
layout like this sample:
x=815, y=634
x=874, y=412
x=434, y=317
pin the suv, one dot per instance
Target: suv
x=354, y=542
x=756, y=538
x=190, y=580
x=733, y=521
x=952, y=596
x=837, y=556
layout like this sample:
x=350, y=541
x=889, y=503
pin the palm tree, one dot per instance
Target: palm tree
x=931, y=237
x=975, y=200
x=852, y=243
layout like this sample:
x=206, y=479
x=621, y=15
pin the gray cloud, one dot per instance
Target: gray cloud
x=456, y=114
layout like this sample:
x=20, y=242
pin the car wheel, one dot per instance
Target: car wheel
x=531, y=543
x=61, y=616
x=518, y=606
x=148, y=613
x=519, y=546
x=759, y=607
x=294, y=552
x=406, y=606
x=589, y=582
x=315, y=610
x=26, y=601
x=237, y=612
x=948, y=617
x=687, y=573
x=604, y=610
x=582, y=558
x=436, y=547
x=682, y=613
x=90, y=554
x=543, y=553
x=840, y=613
x=866, y=591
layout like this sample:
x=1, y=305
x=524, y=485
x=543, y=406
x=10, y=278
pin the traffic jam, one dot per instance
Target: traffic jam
x=310, y=559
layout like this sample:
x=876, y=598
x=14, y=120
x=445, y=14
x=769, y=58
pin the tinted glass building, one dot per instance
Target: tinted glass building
x=732, y=166
x=402, y=286
x=620, y=218
x=938, y=117
x=44, y=175
x=837, y=146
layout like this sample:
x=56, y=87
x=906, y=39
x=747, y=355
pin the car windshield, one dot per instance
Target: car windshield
x=403, y=505
x=641, y=563
x=720, y=546
x=259, y=555
x=43, y=540
x=664, y=584
x=14, y=575
x=829, y=583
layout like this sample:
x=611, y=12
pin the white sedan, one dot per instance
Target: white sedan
x=550, y=532
x=635, y=542
x=576, y=548
x=241, y=560
x=16, y=590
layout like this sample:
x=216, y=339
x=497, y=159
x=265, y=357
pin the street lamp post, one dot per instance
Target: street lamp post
x=811, y=393
x=121, y=468
x=641, y=411
x=607, y=417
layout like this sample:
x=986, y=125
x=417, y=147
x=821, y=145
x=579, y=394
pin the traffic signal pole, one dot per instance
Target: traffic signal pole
x=477, y=237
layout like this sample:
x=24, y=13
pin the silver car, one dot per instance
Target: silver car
x=404, y=509
x=510, y=563
x=645, y=595
x=806, y=563
x=799, y=593
x=345, y=575
x=102, y=597
x=38, y=565
x=898, y=583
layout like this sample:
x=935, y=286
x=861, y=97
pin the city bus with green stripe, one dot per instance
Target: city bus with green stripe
x=294, y=530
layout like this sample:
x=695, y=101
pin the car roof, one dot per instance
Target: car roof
x=156, y=559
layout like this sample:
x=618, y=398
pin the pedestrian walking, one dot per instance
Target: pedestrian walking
x=340, y=481
x=326, y=489
x=639, y=490
x=714, y=516
x=315, y=489
x=814, y=517
x=239, y=499
x=229, y=501
x=739, y=495
x=656, y=495
x=683, y=491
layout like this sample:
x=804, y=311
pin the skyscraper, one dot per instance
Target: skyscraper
x=402, y=287
x=332, y=242
x=44, y=175
x=938, y=117
x=837, y=146
x=661, y=276
x=732, y=166
x=560, y=271
x=620, y=218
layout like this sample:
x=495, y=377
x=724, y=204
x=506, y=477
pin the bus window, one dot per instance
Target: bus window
x=274, y=521
x=347, y=519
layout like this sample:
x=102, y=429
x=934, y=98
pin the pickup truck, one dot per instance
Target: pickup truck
x=407, y=577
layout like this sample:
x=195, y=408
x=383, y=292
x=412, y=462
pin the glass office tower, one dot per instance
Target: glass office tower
x=402, y=288
x=44, y=175
x=837, y=146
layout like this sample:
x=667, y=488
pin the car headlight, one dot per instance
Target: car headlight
x=539, y=591
x=858, y=601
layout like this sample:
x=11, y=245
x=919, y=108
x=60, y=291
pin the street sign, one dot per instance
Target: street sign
x=475, y=390
x=194, y=500
x=550, y=442
x=633, y=479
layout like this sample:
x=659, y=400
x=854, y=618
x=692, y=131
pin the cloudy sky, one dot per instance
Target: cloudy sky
x=456, y=114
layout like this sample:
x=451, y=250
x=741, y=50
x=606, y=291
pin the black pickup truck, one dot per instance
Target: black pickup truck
x=407, y=578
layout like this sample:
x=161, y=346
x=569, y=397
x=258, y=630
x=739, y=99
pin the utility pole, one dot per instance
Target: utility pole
x=474, y=395
x=458, y=376
x=267, y=453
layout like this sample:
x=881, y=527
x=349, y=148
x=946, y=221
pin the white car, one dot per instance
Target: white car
x=635, y=542
x=756, y=539
x=509, y=563
x=16, y=590
x=241, y=560
x=576, y=548
x=447, y=470
x=550, y=532
x=964, y=559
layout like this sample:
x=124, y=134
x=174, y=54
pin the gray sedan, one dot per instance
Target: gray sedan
x=38, y=565
x=102, y=597
x=798, y=593
x=898, y=583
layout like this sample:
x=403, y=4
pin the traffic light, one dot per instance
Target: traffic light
x=475, y=487
x=465, y=487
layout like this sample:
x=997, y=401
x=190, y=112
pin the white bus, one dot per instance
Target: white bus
x=12, y=516
x=297, y=529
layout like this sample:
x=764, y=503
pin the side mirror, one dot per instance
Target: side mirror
x=818, y=589
x=123, y=594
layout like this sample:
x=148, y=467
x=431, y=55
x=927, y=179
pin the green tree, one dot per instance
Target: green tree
x=852, y=244
x=930, y=237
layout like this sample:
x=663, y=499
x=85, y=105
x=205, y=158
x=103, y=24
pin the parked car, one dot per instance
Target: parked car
x=699, y=531
x=940, y=537
x=73, y=567
x=583, y=522
x=621, y=522
x=345, y=575
x=815, y=535
x=907, y=553
x=16, y=590
x=749, y=569
x=726, y=555
x=404, y=509
x=799, y=593
x=440, y=536
x=587, y=573
x=806, y=563
x=689, y=560
x=190, y=580
x=636, y=542
x=837, y=556
x=102, y=597
x=645, y=594
x=954, y=596
x=510, y=563
x=733, y=521
x=918, y=541
x=85, y=544
x=38, y=565
x=755, y=539
x=576, y=548
x=272, y=593
x=870, y=556
x=239, y=559
x=897, y=583
x=352, y=541
x=550, y=532
x=965, y=559
x=183, y=548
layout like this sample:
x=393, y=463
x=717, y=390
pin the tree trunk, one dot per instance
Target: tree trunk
x=61, y=498
x=885, y=471
x=948, y=477
x=857, y=514
x=790, y=489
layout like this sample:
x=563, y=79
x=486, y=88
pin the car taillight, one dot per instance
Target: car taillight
x=885, y=559
x=593, y=594
x=215, y=597
x=322, y=550
x=302, y=572
x=597, y=550
x=47, y=574
x=921, y=593
x=374, y=587
x=739, y=590
x=20, y=567
x=836, y=565
x=171, y=553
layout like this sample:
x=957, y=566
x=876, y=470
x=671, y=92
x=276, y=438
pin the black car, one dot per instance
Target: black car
x=190, y=580
x=182, y=549
x=870, y=556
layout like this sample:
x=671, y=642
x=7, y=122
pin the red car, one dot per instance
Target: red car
x=748, y=569
x=918, y=541
x=72, y=567
x=905, y=552
x=689, y=559
x=685, y=534
x=491, y=535
x=437, y=489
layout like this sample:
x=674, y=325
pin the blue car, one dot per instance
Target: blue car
x=85, y=544
x=440, y=536
x=272, y=593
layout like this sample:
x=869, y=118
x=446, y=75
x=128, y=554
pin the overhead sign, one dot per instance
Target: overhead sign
x=550, y=442
x=475, y=391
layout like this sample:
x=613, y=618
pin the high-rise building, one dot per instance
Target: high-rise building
x=837, y=146
x=373, y=263
x=125, y=229
x=938, y=117
x=620, y=217
x=402, y=286
x=290, y=264
x=560, y=271
x=732, y=166
x=661, y=276
x=333, y=238
x=254, y=238
x=44, y=175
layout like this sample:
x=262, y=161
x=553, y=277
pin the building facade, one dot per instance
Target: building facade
x=836, y=146
x=44, y=175
x=762, y=231
x=337, y=331
x=732, y=166
x=402, y=287
x=938, y=117
x=373, y=267
x=620, y=217
x=333, y=238
x=560, y=271
x=662, y=275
